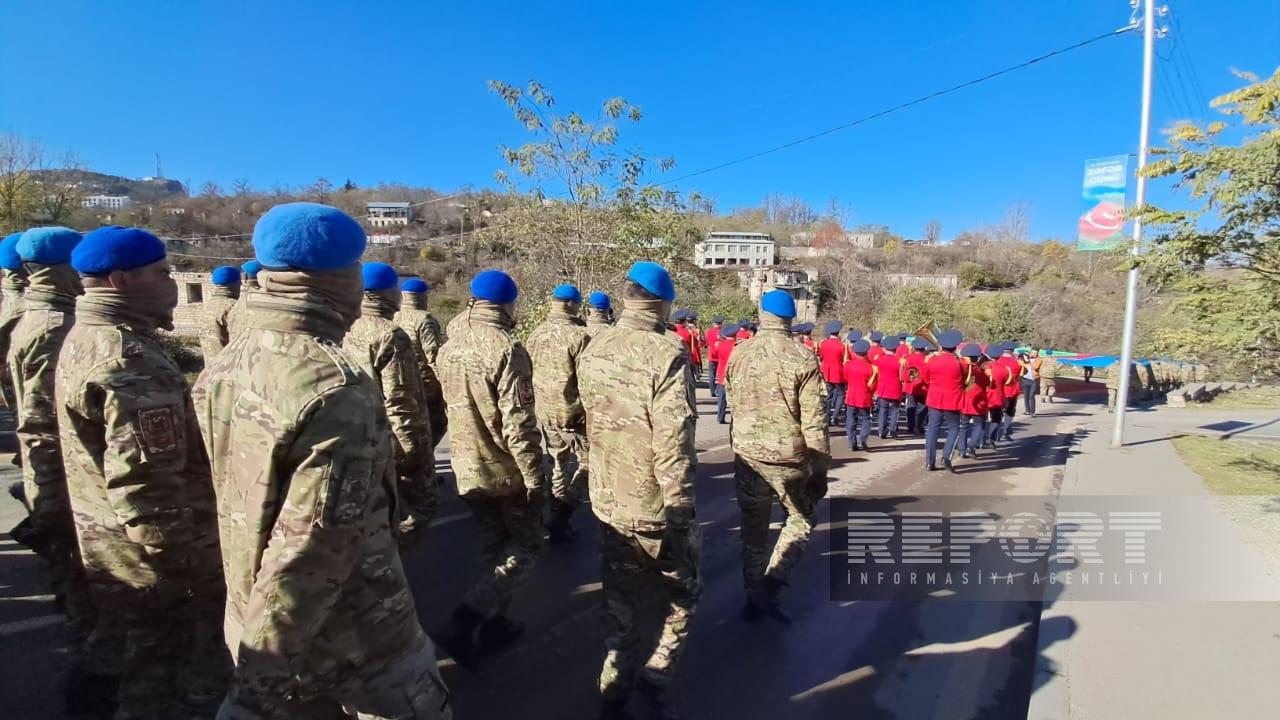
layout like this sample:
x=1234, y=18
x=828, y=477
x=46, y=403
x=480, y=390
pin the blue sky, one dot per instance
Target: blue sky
x=285, y=92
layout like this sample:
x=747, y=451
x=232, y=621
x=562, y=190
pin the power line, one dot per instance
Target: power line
x=902, y=106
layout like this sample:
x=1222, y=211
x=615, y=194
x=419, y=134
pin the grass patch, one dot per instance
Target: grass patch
x=1259, y=398
x=1231, y=467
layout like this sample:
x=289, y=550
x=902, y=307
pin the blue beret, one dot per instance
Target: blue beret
x=378, y=276
x=950, y=339
x=889, y=343
x=47, y=245
x=414, y=285
x=718, y=319
x=728, y=331
x=115, y=248
x=780, y=303
x=876, y=336
x=599, y=300
x=567, y=292
x=971, y=350
x=494, y=286
x=919, y=343
x=653, y=277
x=862, y=347
x=226, y=275
x=307, y=236
x=251, y=268
x=9, y=259
x=833, y=327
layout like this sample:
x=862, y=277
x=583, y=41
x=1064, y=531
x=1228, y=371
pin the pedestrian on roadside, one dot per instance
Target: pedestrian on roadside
x=1030, y=381
x=1048, y=375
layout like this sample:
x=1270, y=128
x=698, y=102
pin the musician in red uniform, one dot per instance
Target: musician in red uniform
x=746, y=330
x=904, y=349
x=1012, y=389
x=913, y=387
x=973, y=404
x=888, y=388
x=998, y=374
x=694, y=342
x=876, y=350
x=860, y=383
x=724, y=348
x=712, y=337
x=831, y=356
x=944, y=375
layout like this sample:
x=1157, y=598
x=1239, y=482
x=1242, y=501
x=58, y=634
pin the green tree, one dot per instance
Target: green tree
x=1235, y=222
x=579, y=209
x=910, y=306
x=1011, y=319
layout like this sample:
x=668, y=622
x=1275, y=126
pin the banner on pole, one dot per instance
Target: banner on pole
x=1101, y=226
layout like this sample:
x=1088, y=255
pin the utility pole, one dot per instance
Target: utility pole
x=1131, y=294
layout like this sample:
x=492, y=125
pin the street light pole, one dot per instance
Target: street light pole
x=1131, y=294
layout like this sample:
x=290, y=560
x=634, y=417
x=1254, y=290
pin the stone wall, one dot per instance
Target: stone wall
x=193, y=289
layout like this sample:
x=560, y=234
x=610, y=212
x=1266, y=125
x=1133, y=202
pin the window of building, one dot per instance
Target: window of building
x=195, y=293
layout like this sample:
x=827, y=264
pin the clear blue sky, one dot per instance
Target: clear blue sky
x=285, y=92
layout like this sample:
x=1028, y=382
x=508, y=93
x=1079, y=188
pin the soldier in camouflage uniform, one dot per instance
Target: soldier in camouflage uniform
x=424, y=333
x=385, y=352
x=496, y=453
x=637, y=390
x=780, y=449
x=215, y=328
x=554, y=348
x=140, y=488
x=13, y=281
x=599, y=312
x=33, y=362
x=248, y=286
x=319, y=612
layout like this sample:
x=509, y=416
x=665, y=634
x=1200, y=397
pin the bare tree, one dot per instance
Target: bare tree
x=932, y=232
x=57, y=195
x=1015, y=226
x=320, y=190
x=19, y=158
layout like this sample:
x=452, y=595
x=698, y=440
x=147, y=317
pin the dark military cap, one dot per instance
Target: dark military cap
x=862, y=347
x=876, y=336
x=950, y=339
x=889, y=343
x=833, y=327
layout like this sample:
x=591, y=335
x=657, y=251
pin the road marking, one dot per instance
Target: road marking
x=449, y=519
x=35, y=623
x=850, y=678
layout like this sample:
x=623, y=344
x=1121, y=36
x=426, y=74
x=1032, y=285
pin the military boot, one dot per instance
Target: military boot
x=457, y=637
x=499, y=632
x=763, y=601
x=558, y=528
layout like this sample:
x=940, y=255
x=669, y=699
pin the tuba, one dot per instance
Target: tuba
x=926, y=331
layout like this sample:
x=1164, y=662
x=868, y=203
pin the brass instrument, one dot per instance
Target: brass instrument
x=926, y=331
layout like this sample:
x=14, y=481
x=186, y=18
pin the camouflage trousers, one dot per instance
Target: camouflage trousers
x=406, y=687
x=758, y=486
x=510, y=532
x=164, y=642
x=568, y=449
x=49, y=503
x=636, y=566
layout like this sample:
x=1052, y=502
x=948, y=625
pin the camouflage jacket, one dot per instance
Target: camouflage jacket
x=598, y=320
x=488, y=383
x=301, y=457
x=637, y=390
x=386, y=353
x=422, y=327
x=1048, y=367
x=778, y=398
x=215, y=325
x=33, y=363
x=136, y=467
x=426, y=338
x=14, y=285
x=554, y=346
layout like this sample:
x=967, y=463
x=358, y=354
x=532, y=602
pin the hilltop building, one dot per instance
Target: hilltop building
x=735, y=249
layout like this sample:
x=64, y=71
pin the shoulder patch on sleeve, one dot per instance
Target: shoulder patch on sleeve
x=158, y=428
x=524, y=392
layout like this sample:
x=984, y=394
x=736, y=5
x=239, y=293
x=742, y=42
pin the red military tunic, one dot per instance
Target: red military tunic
x=1011, y=387
x=997, y=375
x=914, y=367
x=974, y=400
x=889, y=379
x=944, y=375
x=713, y=336
x=724, y=348
x=860, y=380
x=875, y=352
x=902, y=351
x=831, y=360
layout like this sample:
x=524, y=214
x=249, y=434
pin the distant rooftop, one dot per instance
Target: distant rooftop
x=388, y=205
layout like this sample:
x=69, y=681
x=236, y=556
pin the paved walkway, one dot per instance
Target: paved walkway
x=1207, y=644
x=1255, y=425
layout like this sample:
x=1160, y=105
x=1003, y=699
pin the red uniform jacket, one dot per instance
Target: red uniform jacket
x=724, y=348
x=860, y=380
x=1012, y=387
x=944, y=375
x=903, y=350
x=713, y=336
x=916, y=387
x=744, y=334
x=809, y=343
x=998, y=375
x=974, y=400
x=831, y=357
x=889, y=380
x=874, y=353
x=695, y=346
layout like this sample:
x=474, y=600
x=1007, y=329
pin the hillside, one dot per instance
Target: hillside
x=88, y=182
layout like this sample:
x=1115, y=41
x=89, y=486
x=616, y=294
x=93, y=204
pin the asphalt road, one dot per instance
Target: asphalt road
x=934, y=658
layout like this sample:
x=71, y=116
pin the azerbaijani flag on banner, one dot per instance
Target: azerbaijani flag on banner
x=1101, y=226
